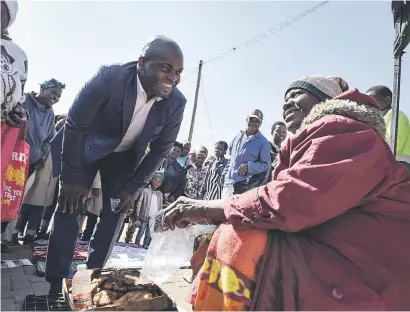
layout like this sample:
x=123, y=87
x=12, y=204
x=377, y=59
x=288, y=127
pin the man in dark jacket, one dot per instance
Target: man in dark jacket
x=121, y=110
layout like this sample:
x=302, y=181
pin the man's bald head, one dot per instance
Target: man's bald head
x=158, y=45
x=160, y=66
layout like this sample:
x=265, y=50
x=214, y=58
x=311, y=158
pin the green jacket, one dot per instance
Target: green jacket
x=403, y=135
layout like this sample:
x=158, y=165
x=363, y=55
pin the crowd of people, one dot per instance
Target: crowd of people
x=305, y=223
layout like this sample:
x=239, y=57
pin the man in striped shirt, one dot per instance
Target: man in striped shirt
x=212, y=188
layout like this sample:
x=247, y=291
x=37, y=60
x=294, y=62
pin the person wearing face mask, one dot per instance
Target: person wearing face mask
x=41, y=125
x=328, y=232
x=250, y=158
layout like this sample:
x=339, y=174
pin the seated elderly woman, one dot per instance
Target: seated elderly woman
x=330, y=231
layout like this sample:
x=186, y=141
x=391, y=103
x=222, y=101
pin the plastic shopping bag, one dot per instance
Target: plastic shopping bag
x=15, y=177
x=169, y=250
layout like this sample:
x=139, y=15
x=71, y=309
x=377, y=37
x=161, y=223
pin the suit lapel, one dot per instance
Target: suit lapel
x=130, y=99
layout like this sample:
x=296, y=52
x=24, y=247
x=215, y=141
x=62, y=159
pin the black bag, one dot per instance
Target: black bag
x=250, y=183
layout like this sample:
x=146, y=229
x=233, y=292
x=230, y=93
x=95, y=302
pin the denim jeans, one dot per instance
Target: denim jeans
x=144, y=228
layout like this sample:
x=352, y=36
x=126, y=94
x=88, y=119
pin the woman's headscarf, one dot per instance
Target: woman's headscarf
x=52, y=83
x=324, y=88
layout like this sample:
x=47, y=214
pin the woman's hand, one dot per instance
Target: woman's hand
x=185, y=210
x=17, y=117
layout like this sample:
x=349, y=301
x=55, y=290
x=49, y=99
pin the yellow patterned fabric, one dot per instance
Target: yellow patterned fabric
x=227, y=278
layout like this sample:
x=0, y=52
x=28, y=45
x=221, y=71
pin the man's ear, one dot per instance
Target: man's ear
x=388, y=100
x=141, y=63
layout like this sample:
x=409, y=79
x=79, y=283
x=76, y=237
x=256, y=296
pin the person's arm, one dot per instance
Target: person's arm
x=45, y=147
x=263, y=162
x=87, y=104
x=159, y=149
x=335, y=168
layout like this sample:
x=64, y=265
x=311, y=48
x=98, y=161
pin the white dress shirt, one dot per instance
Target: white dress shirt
x=139, y=117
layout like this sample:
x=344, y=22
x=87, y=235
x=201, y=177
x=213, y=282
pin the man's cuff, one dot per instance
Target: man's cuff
x=244, y=209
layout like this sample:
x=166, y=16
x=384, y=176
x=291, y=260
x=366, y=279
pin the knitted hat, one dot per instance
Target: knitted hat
x=324, y=88
x=12, y=6
x=160, y=175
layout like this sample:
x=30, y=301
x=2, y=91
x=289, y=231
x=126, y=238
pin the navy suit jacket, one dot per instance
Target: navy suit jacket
x=99, y=118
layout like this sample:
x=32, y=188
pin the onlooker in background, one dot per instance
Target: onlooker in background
x=40, y=130
x=183, y=159
x=279, y=133
x=93, y=207
x=250, y=158
x=191, y=158
x=39, y=203
x=383, y=96
x=195, y=177
x=13, y=70
x=212, y=188
x=174, y=181
x=147, y=204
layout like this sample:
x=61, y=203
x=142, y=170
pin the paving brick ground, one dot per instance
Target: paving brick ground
x=17, y=283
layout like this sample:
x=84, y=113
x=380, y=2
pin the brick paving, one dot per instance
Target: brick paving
x=17, y=283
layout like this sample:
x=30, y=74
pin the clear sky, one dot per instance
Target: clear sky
x=70, y=40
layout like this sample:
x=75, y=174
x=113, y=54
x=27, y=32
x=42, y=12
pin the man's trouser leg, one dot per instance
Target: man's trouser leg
x=63, y=239
x=114, y=171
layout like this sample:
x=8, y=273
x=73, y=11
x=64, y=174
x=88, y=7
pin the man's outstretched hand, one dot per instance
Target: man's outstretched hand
x=70, y=196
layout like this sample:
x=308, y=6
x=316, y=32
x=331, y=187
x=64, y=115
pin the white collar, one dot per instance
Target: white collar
x=276, y=146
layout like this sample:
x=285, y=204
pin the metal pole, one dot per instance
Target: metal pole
x=395, y=105
x=198, y=83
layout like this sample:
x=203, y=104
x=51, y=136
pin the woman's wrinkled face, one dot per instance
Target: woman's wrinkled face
x=298, y=104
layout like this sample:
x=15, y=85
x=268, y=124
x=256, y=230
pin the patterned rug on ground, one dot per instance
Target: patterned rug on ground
x=122, y=256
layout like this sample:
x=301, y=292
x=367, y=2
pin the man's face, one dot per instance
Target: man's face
x=381, y=100
x=156, y=183
x=50, y=96
x=175, y=152
x=298, y=104
x=279, y=133
x=5, y=17
x=186, y=149
x=200, y=159
x=253, y=124
x=219, y=150
x=162, y=73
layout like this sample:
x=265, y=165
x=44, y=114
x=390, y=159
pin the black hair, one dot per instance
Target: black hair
x=222, y=143
x=382, y=90
x=178, y=144
x=277, y=123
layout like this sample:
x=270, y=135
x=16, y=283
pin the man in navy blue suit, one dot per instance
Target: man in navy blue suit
x=117, y=113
